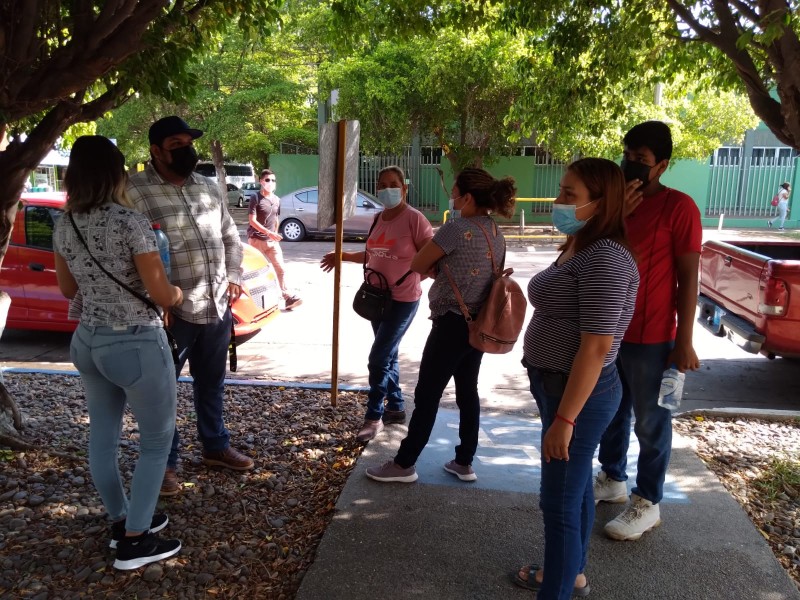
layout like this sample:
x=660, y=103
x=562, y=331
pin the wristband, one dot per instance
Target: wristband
x=565, y=419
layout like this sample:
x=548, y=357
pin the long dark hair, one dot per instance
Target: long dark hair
x=497, y=195
x=606, y=185
x=95, y=175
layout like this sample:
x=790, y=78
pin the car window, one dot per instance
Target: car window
x=311, y=197
x=232, y=187
x=360, y=200
x=39, y=224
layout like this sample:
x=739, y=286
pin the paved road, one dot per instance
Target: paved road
x=297, y=345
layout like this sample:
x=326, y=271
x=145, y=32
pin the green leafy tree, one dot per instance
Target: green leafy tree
x=457, y=87
x=64, y=63
x=604, y=48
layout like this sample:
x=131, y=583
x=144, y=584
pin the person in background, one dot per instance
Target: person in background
x=665, y=233
x=262, y=232
x=783, y=205
x=206, y=259
x=582, y=304
x=397, y=234
x=460, y=247
x=120, y=347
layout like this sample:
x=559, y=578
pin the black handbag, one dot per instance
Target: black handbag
x=173, y=346
x=373, y=300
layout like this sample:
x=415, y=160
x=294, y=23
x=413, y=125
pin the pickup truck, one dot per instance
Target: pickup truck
x=750, y=293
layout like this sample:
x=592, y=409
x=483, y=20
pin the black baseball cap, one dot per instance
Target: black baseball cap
x=163, y=128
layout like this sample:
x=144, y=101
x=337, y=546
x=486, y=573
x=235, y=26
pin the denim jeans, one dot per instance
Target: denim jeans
x=641, y=367
x=206, y=348
x=566, y=498
x=132, y=366
x=781, y=216
x=383, y=365
x=447, y=354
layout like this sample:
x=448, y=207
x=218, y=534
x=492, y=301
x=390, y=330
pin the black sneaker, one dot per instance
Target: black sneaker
x=141, y=550
x=394, y=417
x=118, y=529
x=292, y=302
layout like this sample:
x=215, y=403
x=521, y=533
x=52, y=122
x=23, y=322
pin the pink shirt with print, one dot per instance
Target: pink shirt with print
x=392, y=245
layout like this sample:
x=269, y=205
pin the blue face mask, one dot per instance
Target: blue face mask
x=564, y=218
x=454, y=212
x=390, y=197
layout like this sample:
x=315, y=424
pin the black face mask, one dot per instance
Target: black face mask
x=184, y=160
x=636, y=170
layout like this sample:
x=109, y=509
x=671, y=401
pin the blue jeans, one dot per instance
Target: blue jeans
x=206, y=348
x=384, y=368
x=641, y=367
x=566, y=498
x=132, y=366
x=447, y=354
x=782, y=209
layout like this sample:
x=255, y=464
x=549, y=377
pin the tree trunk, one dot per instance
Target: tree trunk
x=219, y=164
x=10, y=417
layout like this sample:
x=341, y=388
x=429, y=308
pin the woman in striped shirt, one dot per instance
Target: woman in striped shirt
x=582, y=305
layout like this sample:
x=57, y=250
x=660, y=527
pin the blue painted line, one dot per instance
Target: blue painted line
x=183, y=379
x=508, y=457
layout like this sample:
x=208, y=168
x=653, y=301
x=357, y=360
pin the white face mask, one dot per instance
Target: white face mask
x=390, y=197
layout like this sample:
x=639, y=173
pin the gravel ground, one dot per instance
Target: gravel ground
x=743, y=454
x=250, y=535
x=253, y=535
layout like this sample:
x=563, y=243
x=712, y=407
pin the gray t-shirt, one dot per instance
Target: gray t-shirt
x=114, y=234
x=467, y=256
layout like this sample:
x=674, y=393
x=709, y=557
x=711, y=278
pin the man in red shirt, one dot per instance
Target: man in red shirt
x=665, y=233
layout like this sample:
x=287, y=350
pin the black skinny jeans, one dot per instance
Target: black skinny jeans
x=447, y=354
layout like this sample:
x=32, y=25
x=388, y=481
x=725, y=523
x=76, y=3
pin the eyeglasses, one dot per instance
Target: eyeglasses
x=272, y=179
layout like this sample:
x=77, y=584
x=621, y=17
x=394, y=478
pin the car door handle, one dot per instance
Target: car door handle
x=36, y=267
x=728, y=261
x=300, y=209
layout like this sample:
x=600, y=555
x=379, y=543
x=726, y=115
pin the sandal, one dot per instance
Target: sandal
x=531, y=584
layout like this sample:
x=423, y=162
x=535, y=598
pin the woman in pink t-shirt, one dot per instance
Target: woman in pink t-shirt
x=395, y=237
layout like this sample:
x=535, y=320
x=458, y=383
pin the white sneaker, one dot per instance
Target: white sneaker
x=639, y=517
x=609, y=490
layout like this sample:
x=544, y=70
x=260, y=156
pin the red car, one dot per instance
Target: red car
x=29, y=275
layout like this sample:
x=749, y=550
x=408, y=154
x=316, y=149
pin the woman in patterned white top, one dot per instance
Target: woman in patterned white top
x=461, y=248
x=120, y=347
x=583, y=304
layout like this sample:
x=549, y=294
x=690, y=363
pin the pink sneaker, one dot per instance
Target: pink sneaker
x=391, y=471
x=464, y=473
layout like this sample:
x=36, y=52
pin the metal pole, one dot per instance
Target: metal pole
x=522, y=221
x=721, y=219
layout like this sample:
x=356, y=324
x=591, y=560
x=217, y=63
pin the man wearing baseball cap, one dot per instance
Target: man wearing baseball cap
x=205, y=257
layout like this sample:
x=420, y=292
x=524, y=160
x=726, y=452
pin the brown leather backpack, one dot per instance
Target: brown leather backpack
x=499, y=322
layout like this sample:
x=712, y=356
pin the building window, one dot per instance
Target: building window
x=726, y=155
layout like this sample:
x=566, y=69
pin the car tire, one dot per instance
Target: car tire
x=240, y=204
x=293, y=230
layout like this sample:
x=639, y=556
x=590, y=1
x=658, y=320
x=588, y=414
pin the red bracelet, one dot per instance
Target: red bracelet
x=565, y=419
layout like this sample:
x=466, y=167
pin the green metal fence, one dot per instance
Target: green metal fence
x=745, y=187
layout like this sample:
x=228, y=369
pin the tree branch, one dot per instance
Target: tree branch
x=746, y=10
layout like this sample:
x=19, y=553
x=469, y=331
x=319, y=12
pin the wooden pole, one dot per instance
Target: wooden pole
x=337, y=273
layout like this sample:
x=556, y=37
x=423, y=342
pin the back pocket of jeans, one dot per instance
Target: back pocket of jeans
x=122, y=368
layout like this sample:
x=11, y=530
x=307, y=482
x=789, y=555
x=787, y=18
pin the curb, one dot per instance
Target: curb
x=184, y=379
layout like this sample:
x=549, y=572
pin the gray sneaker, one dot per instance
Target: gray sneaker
x=463, y=472
x=391, y=471
x=369, y=430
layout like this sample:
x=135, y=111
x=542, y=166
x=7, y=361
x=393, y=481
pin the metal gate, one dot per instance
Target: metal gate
x=745, y=187
x=422, y=174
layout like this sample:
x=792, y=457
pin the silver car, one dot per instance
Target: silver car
x=298, y=216
x=250, y=190
x=235, y=195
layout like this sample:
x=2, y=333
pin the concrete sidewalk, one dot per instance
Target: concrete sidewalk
x=443, y=539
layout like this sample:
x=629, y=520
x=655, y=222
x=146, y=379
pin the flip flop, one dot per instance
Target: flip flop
x=531, y=584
